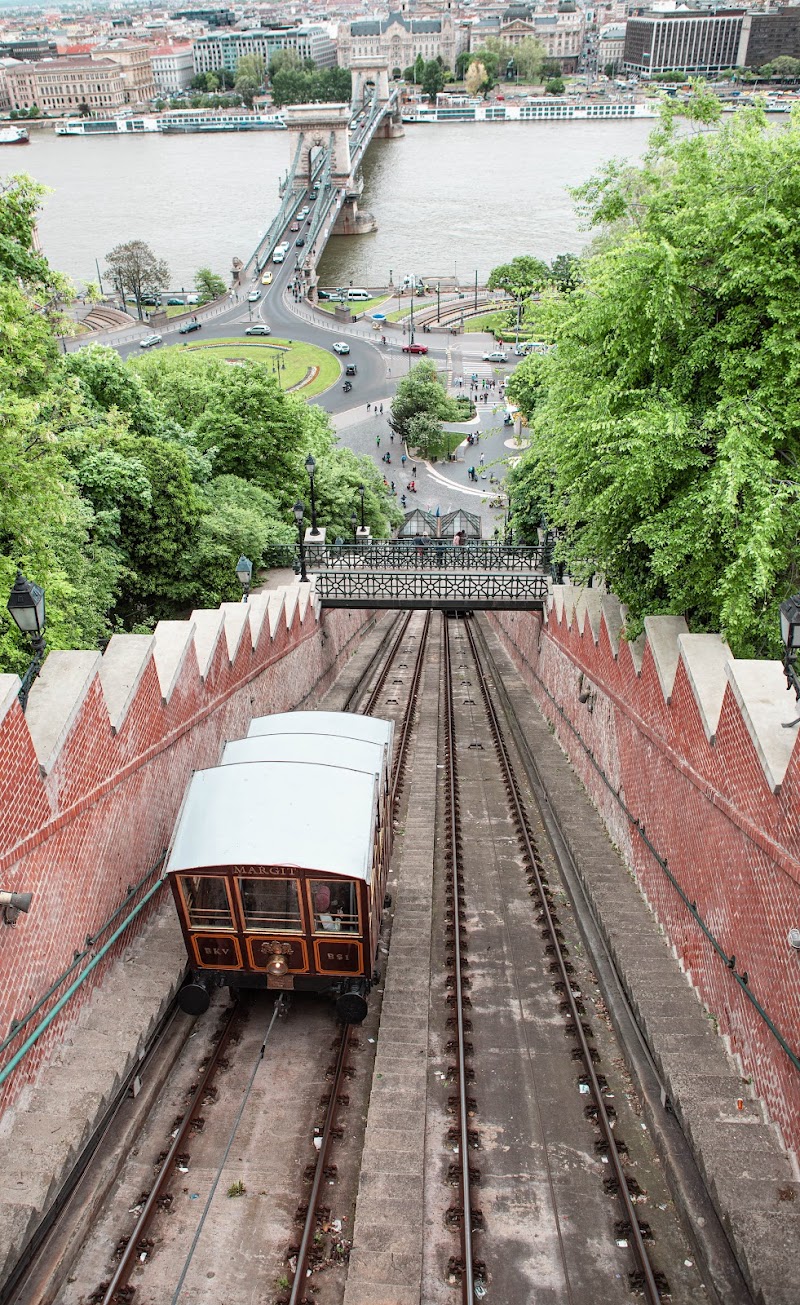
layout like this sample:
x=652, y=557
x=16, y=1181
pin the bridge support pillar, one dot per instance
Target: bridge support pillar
x=351, y=222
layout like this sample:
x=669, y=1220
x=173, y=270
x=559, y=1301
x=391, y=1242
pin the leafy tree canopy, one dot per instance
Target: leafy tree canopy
x=208, y=284
x=135, y=270
x=519, y=278
x=666, y=420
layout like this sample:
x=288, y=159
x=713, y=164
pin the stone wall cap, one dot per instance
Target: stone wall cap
x=705, y=657
x=121, y=669
x=760, y=690
x=56, y=698
x=662, y=634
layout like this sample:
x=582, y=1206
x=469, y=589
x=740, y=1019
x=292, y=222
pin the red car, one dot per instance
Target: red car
x=415, y=348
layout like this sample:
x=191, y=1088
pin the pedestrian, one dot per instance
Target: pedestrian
x=369, y=405
x=414, y=472
x=403, y=501
x=404, y=460
x=482, y=459
x=381, y=409
x=391, y=436
x=386, y=483
x=394, y=491
x=377, y=441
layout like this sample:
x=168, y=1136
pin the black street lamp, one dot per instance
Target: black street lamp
x=790, y=634
x=411, y=329
x=353, y=524
x=311, y=467
x=299, y=509
x=361, y=495
x=438, y=302
x=26, y=607
x=244, y=573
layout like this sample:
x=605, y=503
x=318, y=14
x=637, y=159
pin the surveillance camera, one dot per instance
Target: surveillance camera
x=794, y=939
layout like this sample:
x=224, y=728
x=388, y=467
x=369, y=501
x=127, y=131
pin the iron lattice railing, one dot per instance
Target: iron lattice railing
x=405, y=555
x=431, y=587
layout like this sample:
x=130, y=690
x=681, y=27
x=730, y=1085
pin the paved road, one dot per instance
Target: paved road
x=444, y=485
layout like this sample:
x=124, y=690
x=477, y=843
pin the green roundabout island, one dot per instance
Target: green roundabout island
x=305, y=369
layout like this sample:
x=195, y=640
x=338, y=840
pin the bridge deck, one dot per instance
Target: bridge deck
x=442, y=589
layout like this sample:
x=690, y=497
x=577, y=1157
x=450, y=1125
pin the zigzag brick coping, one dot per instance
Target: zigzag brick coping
x=92, y=778
x=676, y=733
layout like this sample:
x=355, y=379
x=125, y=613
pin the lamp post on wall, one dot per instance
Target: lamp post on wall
x=361, y=496
x=438, y=302
x=244, y=574
x=790, y=634
x=311, y=468
x=26, y=608
x=299, y=510
x=353, y=524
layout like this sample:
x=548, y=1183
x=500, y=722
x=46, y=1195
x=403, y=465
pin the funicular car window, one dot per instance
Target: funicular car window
x=206, y=899
x=335, y=906
x=270, y=905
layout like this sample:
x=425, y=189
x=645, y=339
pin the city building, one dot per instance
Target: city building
x=173, y=67
x=561, y=32
x=28, y=48
x=225, y=49
x=683, y=42
x=61, y=86
x=766, y=36
x=610, y=47
x=208, y=17
x=400, y=38
x=136, y=67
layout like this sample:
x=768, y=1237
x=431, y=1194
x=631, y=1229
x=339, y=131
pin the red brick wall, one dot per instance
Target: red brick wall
x=732, y=844
x=77, y=836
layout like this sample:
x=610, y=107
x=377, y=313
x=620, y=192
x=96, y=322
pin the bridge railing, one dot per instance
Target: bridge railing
x=441, y=589
x=408, y=555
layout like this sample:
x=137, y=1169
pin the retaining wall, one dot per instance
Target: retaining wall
x=681, y=745
x=92, y=777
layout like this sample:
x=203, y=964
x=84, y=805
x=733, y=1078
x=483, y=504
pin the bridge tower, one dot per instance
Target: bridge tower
x=371, y=84
x=318, y=126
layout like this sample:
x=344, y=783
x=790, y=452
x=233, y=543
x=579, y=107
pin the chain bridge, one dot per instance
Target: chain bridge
x=433, y=574
x=328, y=144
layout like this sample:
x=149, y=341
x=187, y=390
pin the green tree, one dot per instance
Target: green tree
x=135, y=270
x=462, y=64
x=250, y=67
x=419, y=70
x=432, y=79
x=20, y=201
x=554, y=86
x=519, y=278
x=666, y=420
x=550, y=68
x=208, y=285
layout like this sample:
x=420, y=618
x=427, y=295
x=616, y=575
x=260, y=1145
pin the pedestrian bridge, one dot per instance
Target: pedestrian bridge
x=433, y=574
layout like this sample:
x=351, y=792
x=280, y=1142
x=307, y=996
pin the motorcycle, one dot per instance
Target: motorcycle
x=348, y=385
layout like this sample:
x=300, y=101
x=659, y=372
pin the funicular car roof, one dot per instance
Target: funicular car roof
x=303, y=814
x=342, y=724
x=317, y=749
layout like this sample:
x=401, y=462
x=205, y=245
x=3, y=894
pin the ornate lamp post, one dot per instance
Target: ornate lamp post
x=353, y=524
x=299, y=510
x=361, y=495
x=311, y=467
x=244, y=573
x=26, y=607
x=790, y=633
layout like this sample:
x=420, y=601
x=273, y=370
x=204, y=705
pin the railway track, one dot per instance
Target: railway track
x=464, y=728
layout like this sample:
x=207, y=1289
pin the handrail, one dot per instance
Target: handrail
x=91, y=939
x=18, y=1056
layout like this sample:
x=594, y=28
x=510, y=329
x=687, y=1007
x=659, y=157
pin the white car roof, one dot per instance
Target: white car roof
x=314, y=749
x=318, y=818
x=342, y=724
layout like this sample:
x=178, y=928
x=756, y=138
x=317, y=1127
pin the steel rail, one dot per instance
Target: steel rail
x=309, y=1227
x=407, y=722
x=649, y=1285
x=377, y=688
x=129, y=1255
x=454, y=849
x=357, y=690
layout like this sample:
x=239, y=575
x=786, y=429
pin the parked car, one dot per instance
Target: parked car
x=149, y=341
x=415, y=348
x=173, y=303
x=496, y=355
x=266, y=278
x=189, y=326
x=254, y=296
x=350, y=369
x=152, y=301
x=340, y=347
x=258, y=328
x=193, y=299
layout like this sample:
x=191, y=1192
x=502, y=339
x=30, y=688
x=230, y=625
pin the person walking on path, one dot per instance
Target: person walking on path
x=381, y=409
x=377, y=441
x=391, y=436
x=482, y=459
x=414, y=472
x=404, y=460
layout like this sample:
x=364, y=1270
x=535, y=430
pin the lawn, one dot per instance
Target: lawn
x=355, y=305
x=400, y=313
x=298, y=360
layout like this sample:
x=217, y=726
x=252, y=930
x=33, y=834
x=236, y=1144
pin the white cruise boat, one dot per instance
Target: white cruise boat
x=546, y=108
x=106, y=126
x=179, y=120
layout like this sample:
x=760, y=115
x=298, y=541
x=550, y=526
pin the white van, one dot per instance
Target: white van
x=279, y=255
x=360, y=295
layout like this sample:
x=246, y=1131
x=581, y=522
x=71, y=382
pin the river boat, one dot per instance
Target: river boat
x=106, y=126
x=187, y=120
x=14, y=136
x=547, y=108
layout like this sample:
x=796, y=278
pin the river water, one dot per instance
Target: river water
x=450, y=199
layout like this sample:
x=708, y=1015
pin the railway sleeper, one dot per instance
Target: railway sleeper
x=454, y=1218
x=611, y=1186
x=454, y=1105
x=622, y=1228
x=452, y=1048
x=121, y=1296
x=566, y=1008
x=454, y=1175
x=455, y=1268
x=342, y=1099
x=601, y=1080
x=466, y=1000
x=571, y=1030
x=466, y=981
x=451, y=1075
x=452, y=1023
x=636, y=1283
x=592, y=1112
x=602, y=1146
x=454, y=1135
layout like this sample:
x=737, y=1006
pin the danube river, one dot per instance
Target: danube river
x=449, y=199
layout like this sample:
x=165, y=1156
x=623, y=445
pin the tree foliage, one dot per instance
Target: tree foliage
x=295, y=85
x=419, y=407
x=135, y=271
x=519, y=278
x=666, y=420
x=208, y=285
